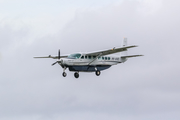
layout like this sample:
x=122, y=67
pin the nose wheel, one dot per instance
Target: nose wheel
x=64, y=74
x=98, y=72
x=76, y=75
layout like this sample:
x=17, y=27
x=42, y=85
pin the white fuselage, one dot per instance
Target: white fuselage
x=103, y=61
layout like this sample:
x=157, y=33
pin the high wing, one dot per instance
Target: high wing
x=53, y=57
x=111, y=51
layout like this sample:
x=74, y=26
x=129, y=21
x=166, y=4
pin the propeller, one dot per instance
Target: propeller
x=54, y=63
x=59, y=54
x=59, y=57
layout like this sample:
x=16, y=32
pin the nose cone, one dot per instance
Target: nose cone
x=63, y=61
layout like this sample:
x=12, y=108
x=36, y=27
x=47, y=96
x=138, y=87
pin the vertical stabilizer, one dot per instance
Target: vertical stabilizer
x=124, y=44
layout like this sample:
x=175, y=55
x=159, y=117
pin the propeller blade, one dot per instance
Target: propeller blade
x=59, y=54
x=54, y=63
x=59, y=57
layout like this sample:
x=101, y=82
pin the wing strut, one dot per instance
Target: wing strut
x=95, y=58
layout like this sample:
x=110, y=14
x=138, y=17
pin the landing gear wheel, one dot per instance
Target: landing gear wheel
x=76, y=75
x=64, y=74
x=98, y=72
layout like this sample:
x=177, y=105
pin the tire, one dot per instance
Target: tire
x=98, y=72
x=64, y=74
x=76, y=75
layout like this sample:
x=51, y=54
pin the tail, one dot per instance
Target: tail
x=124, y=54
x=124, y=44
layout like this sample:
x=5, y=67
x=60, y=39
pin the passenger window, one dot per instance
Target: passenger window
x=99, y=57
x=108, y=58
x=85, y=57
x=89, y=57
x=82, y=57
x=105, y=58
x=116, y=58
x=94, y=57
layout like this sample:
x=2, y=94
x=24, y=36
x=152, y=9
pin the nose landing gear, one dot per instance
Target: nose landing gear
x=64, y=73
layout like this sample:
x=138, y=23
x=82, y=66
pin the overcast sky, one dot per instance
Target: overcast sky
x=143, y=88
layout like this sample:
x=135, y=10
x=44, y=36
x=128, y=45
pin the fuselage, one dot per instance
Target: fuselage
x=87, y=63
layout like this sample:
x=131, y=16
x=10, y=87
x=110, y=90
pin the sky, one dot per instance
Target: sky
x=142, y=88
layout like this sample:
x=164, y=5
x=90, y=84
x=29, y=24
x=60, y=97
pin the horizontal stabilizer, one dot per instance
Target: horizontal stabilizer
x=129, y=56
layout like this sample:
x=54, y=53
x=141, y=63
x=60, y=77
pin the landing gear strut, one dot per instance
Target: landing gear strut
x=98, y=72
x=64, y=73
x=76, y=75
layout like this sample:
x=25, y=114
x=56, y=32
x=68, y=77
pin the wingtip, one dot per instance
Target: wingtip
x=140, y=55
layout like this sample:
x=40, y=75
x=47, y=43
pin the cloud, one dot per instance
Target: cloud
x=142, y=88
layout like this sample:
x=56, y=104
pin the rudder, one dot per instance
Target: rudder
x=124, y=44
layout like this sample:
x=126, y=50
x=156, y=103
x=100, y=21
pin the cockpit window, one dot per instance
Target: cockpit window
x=74, y=56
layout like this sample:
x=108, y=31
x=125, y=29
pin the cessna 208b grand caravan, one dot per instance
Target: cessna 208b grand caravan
x=94, y=61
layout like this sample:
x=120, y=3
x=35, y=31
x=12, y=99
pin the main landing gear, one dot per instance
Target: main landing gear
x=64, y=74
x=98, y=72
x=76, y=74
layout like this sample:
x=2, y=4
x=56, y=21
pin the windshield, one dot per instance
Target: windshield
x=74, y=56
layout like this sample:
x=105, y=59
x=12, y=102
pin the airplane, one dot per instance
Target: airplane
x=93, y=61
